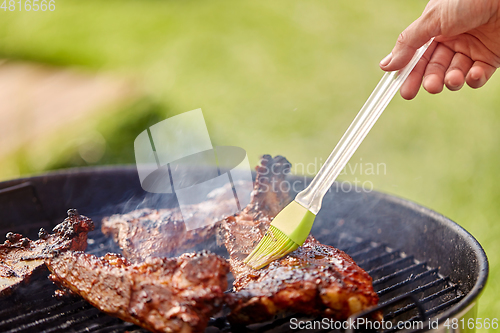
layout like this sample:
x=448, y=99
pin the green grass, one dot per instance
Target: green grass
x=278, y=77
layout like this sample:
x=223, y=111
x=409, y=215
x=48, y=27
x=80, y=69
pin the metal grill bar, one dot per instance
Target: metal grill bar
x=118, y=328
x=366, y=251
x=406, y=282
x=404, y=272
x=439, y=293
x=430, y=285
x=400, y=272
x=384, y=257
x=444, y=305
x=115, y=326
x=76, y=307
x=390, y=266
x=9, y=322
x=100, y=322
x=12, y=310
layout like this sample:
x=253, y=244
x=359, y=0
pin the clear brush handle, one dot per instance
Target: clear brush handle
x=390, y=83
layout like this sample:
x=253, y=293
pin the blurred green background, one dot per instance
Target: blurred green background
x=277, y=77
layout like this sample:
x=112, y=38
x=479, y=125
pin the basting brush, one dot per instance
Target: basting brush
x=293, y=224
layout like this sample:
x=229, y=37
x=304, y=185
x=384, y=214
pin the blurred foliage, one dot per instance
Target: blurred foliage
x=113, y=136
x=280, y=77
x=106, y=139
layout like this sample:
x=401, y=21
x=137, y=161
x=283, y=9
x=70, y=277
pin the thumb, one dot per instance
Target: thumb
x=417, y=34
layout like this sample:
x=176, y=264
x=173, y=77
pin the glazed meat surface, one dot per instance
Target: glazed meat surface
x=160, y=294
x=149, y=232
x=315, y=279
x=20, y=257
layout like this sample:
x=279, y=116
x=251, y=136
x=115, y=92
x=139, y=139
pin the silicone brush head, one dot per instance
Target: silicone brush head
x=286, y=233
x=274, y=245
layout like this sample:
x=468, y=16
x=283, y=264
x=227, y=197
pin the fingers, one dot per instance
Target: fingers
x=436, y=69
x=417, y=34
x=410, y=87
x=479, y=73
x=455, y=76
x=445, y=67
x=441, y=66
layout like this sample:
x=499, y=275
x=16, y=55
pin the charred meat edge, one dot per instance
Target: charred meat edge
x=20, y=257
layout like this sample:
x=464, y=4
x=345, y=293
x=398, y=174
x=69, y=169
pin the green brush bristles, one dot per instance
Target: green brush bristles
x=274, y=245
x=286, y=233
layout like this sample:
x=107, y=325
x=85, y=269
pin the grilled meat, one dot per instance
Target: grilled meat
x=315, y=279
x=160, y=294
x=20, y=256
x=149, y=232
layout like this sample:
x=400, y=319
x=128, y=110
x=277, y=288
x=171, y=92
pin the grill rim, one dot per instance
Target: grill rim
x=482, y=278
x=455, y=310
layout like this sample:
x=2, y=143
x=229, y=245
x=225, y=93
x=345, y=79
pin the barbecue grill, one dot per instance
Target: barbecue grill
x=424, y=266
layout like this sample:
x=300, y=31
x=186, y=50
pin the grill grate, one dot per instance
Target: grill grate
x=397, y=278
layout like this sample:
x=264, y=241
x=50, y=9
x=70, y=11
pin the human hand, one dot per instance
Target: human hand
x=466, y=47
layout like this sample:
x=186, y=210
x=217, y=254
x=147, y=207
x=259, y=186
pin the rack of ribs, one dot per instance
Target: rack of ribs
x=315, y=279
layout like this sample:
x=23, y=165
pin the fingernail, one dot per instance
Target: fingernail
x=386, y=60
x=424, y=79
x=475, y=75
